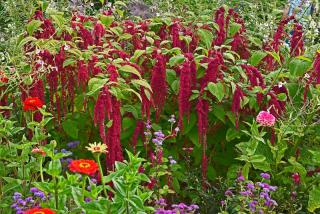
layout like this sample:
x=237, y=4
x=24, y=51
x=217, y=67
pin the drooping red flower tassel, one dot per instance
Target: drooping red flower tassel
x=98, y=33
x=137, y=131
x=296, y=42
x=236, y=103
x=83, y=75
x=113, y=136
x=256, y=79
x=221, y=33
x=102, y=108
x=185, y=91
x=159, y=83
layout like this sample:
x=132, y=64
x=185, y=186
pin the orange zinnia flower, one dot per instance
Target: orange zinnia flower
x=40, y=211
x=88, y=167
x=32, y=104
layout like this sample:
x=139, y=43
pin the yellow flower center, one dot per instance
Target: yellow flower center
x=84, y=165
x=39, y=212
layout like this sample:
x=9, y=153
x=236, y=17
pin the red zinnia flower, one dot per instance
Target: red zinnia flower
x=32, y=104
x=40, y=211
x=88, y=167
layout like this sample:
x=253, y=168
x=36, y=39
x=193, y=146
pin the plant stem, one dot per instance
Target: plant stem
x=56, y=196
x=101, y=174
x=41, y=169
x=83, y=186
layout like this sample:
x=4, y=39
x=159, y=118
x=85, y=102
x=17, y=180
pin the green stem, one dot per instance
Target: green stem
x=41, y=169
x=56, y=196
x=101, y=174
x=83, y=186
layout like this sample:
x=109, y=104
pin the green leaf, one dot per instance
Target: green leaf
x=314, y=199
x=137, y=54
x=106, y=20
x=217, y=90
x=143, y=83
x=299, y=67
x=175, y=60
x=206, y=37
x=275, y=56
x=54, y=168
x=256, y=57
x=232, y=134
x=95, y=84
x=71, y=129
x=33, y=26
x=130, y=69
x=234, y=28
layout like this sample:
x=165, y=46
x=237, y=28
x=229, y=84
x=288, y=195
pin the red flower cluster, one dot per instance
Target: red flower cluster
x=87, y=167
x=40, y=211
x=32, y=104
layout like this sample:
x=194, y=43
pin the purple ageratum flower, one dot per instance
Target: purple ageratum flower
x=265, y=176
x=173, y=161
x=147, y=133
x=194, y=206
x=228, y=193
x=157, y=141
x=252, y=205
x=73, y=144
x=148, y=125
x=17, y=196
x=93, y=180
x=273, y=188
x=22, y=202
x=34, y=189
x=250, y=186
x=87, y=200
x=270, y=203
x=161, y=202
x=246, y=193
x=14, y=205
x=240, y=178
x=159, y=134
x=265, y=195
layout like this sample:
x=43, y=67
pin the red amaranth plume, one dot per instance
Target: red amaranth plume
x=236, y=103
x=221, y=33
x=46, y=29
x=102, y=108
x=137, y=131
x=271, y=64
x=113, y=136
x=98, y=33
x=159, y=83
x=202, y=111
x=296, y=42
x=256, y=79
x=83, y=75
x=174, y=30
x=314, y=77
x=185, y=89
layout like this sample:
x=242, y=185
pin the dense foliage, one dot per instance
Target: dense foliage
x=195, y=111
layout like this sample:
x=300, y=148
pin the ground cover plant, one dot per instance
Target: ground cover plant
x=104, y=112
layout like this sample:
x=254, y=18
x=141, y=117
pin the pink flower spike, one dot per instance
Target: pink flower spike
x=264, y=118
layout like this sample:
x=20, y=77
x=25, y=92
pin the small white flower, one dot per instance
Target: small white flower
x=177, y=129
x=38, y=51
x=91, y=4
x=307, y=76
x=66, y=47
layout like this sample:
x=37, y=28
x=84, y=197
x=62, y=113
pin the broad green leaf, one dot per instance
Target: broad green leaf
x=206, y=37
x=130, y=69
x=143, y=83
x=54, y=168
x=299, y=67
x=216, y=89
x=71, y=128
x=175, y=60
x=106, y=20
x=234, y=28
x=33, y=26
x=256, y=57
x=314, y=199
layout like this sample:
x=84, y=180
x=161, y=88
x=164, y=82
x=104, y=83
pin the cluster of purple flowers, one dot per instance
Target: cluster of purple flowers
x=171, y=160
x=253, y=196
x=180, y=208
x=73, y=144
x=159, y=138
x=20, y=204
